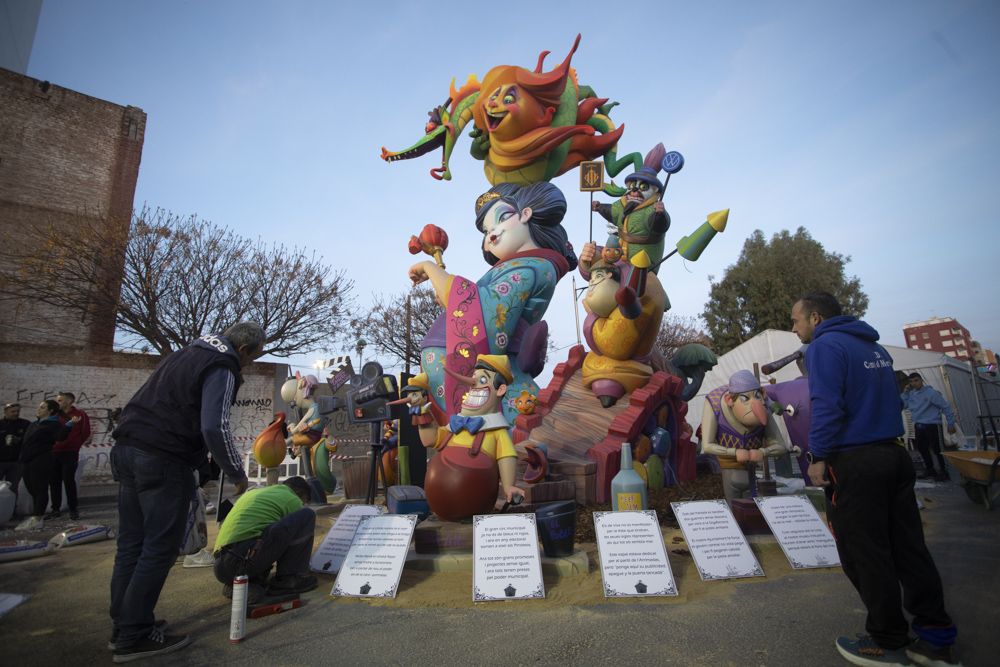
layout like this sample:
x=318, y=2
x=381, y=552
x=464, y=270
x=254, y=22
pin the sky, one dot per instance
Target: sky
x=873, y=125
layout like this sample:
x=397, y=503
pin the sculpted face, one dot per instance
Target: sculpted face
x=482, y=398
x=639, y=191
x=748, y=408
x=509, y=111
x=505, y=230
x=600, y=297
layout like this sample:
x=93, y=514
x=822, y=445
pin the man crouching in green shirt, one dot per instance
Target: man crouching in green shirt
x=266, y=526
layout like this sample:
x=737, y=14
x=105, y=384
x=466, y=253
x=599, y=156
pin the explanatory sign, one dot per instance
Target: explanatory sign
x=803, y=536
x=719, y=549
x=633, y=557
x=375, y=561
x=332, y=551
x=506, y=564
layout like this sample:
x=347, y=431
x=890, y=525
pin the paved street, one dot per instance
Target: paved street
x=789, y=618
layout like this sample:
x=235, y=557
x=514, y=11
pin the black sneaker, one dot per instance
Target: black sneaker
x=255, y=592
x=156, y=643
x=52, y=515
x=160, y=625
x=74, y=515
x=292, y=583
x=929, y=655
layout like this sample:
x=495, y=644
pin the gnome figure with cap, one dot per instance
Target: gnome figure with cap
x=738, y=429
x=638, y=219
x=475, y=450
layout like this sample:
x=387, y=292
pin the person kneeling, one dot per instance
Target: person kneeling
x=267, y=526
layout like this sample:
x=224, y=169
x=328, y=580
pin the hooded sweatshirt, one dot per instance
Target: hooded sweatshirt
x=852, y=388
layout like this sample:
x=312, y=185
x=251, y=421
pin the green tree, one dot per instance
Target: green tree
x=758, y=291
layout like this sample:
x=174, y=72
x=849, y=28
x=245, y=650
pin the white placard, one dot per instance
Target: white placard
x=718, y=547
x=633, y=557
x=375, y=561
x=506, y=564
x=332, y=551
x=803, y=536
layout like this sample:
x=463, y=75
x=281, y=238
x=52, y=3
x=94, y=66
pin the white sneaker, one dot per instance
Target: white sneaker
x=203, y=558
x=209, y=508
x=31, y=523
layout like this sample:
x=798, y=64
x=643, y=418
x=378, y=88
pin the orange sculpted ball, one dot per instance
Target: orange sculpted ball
x=269, y=447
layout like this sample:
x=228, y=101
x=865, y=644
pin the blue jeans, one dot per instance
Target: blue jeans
x=154, y=495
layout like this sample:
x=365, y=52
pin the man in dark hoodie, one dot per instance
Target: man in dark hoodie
x=161, y=440
x=869, y=480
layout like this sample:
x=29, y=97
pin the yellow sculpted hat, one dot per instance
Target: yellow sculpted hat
x=496, y=362
x=419, y=381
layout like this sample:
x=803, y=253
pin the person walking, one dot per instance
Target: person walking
x=855, y=423
x=36, y=458
x=926, y=404
x=161, y=440
x=66, y=456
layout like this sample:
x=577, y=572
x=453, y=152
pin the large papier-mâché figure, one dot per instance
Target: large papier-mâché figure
x=638, y=219
x=475, y=450
x=501, y=313
x=530, y=126
x=738, y=429
x=623, y=318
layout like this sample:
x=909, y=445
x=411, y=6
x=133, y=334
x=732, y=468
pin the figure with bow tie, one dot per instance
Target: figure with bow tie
x=475, y=450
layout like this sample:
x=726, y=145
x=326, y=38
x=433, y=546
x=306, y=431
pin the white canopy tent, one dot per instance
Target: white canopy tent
x=951, y=377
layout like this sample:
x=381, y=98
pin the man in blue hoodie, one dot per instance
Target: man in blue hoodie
x=926, y=404
x=869, y=483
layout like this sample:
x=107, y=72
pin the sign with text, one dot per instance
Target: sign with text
x=633, y=558
x=506, y=564
x=332, y=551
x=375, y=561
x=803, y=536
x=717, y=546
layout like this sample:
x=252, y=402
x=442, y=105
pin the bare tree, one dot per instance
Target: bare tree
x=677, y=331
x=384, y=325
x=181, y=278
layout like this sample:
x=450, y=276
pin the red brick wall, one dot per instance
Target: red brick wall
x=62, y=155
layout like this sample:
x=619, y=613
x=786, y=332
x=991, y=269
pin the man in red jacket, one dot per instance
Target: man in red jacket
x=66, y=456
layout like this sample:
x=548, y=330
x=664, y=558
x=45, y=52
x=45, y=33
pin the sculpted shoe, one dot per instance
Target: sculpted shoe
x=864, y=651
x=928, y=655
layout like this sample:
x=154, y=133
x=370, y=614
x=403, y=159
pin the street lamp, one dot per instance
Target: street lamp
x=360, y=347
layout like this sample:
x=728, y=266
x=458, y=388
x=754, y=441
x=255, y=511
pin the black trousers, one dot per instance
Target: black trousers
x=927, y=438
x=287, y=542
x=63, y=471
x=880, y=539
x=36, y=480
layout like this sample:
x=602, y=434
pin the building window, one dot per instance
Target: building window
x=946, y=343
x=925, y=335
x=927, y=346
x=944, y=332
x=915, y=346
x=913, y=337
x=950, y=353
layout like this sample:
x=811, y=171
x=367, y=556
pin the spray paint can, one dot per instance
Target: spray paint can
x=238, y=619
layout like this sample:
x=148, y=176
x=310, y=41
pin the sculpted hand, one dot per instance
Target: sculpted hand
x=742, y=456
x=512, y=491
x=658, y=207
x=757, y=455
x=594, y=205
x=418, y=273
x=588, y=252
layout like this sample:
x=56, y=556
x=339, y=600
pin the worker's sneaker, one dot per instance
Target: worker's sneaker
x=929, y=655
x=255, y=592
x=160, y=625
x=292, y=583
x=156, y=643
x=864, y=651
x=55, y=514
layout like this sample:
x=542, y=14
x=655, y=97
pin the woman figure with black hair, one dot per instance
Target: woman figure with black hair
x=501, y=313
